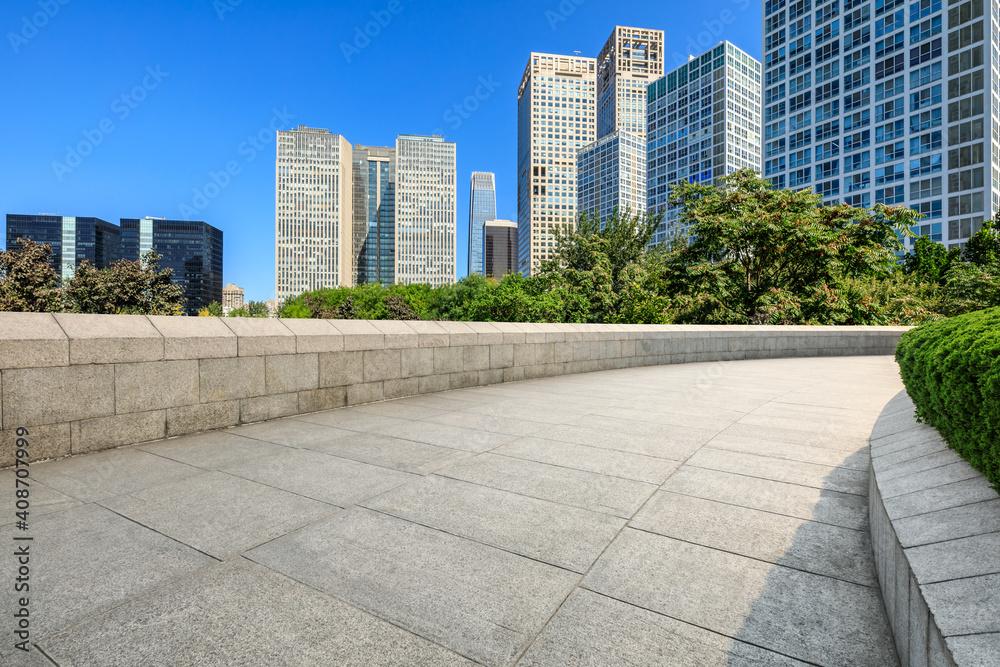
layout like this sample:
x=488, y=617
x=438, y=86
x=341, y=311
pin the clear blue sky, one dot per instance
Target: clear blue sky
x=201, y=77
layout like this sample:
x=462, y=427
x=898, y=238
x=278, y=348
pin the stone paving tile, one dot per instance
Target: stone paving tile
x=494, y=424
x=598, y=493
x=322, y=477
x=87, y=560
x=966, y=606
x=591, y=459
x=959, y=494
x=676, y=443
x=482, y=602
x=241, y=614
x=418, y=458
x=292, y=432
x=44, y=500
x=628, y=421
x=557, y=534
x=443, y=435
x=949, y=524
x=592, y=630
x=397, y=410
x=845, y=480
x=774, y=607
x=928, y=479
x=826, y=440
x=789, y=452
x=975, y=649
x=351, y=419
x=524, y=410
x=956, y=559
x=829, y=429
x=214, y=450
x=219, y=514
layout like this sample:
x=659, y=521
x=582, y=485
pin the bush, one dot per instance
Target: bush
x=951, y=370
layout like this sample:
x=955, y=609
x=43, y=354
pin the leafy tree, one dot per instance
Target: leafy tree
x=983, y=249
x=257, y=309
x=969, y=287
x=126, y=287
x=930, y=261
x=28, y=282
x=213, y=309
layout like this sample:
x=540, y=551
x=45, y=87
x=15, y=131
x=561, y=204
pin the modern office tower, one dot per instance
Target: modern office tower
x=232, y=298
x=891, y=102
x=482, y=207
x=556, y=117
x=193, y=249
x=499, y=248
x=426, y=210
x=72, y=240
x=704, y=123
x=314, y=216
x=630, y=61
x=611, y=174
x=374, y=215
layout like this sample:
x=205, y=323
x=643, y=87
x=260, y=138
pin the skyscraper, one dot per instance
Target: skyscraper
x=73, y=240
x=631, y=59
x=482, y=208
x=611, y=174
x=893, y=103
x=314, y=216
x=704, y=123
x=556, y=116
x=374, y=215
x=500, y=248
x=193, y=249
x=426, y=210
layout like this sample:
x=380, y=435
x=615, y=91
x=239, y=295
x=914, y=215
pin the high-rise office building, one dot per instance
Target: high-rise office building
x=704, y=123
x=374, y=215
x=891, y=102
x=500, y=248
x=193, y=249
x=482, y=208
x=232, y=298
x=556, y=117
x=426, y=210
x=73, y=240
x=631, y=59
x=314, y=216
x=611, y=175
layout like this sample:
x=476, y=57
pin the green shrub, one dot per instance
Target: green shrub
x=951, y=369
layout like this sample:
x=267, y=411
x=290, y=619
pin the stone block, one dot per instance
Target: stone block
x=314, y=336
x=93, y=435
x=44, y=442
x=203, y=417
x=382, y=365
x=494, y=376
x=34, y=396
x=501, y=356
x=110, y=339
x=512, y=334
x=156, y=385
x=359, y=334
x=417, y=362
x=339, y=369
x=524, y=355
x=370, y=392
x=318, y=400
x=401, y=388
x=231, y=379
x=486, y=333
x=263, y=408
x=259, y=336
x=545, y=353
x=917, y=631
x=464, y=379
x=287, y=373
x=514, y=374
x=430, y=384
x=533, y=333
x=398, y=334
x=449, y=359
x=429, y=334
x=32, y=340
x=460, y=334
x=477, y=358
x=195, y=337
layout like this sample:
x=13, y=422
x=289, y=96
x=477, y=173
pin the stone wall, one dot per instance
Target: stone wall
x=83, y=383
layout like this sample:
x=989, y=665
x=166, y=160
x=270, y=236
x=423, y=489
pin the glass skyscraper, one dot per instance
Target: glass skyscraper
x=374, y=214
x=482, y=208
x=500, y=248
x=611, y=174
x=73, y=240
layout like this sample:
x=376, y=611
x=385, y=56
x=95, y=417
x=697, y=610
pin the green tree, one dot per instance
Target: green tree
x=929, y=260
x=126, y=287
x=257, y=309
x=28, y=282
x=213, y=309
x=983, y=249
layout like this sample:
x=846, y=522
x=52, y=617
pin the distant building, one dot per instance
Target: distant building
x=73, y=240
x=482, y=208
x=611, y=175
x=374, y=173
x=500, y=248
x=232, y=298
x=631, y=59
x=192, y=249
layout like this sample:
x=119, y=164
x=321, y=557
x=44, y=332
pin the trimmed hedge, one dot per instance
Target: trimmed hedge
x=951, y=369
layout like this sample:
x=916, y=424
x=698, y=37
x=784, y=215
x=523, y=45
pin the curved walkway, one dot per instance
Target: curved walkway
x=704, y=514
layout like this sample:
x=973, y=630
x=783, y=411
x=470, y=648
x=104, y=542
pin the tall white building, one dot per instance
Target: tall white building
x=314, y=216
x=556, y=107
x=426, y=210
x=631, y=59
x=889, y=102
x=611, y=174
x=704, y=123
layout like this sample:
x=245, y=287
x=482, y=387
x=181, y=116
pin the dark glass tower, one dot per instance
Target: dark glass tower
x=374, y=171
x=500, y=248
x=72, y=240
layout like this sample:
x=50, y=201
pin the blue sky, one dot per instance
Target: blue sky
x=131, y=109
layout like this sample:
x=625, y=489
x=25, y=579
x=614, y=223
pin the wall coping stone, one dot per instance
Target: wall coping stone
x=31, y=340
x=104, y=339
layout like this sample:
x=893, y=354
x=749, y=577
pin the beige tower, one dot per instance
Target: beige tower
x=630, y=61
x=314, y=216
x=556, y=112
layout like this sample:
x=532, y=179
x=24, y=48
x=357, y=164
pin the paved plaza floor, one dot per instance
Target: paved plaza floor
x=703, y=514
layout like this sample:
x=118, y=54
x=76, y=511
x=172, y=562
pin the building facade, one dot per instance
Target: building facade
x=889, y=102
x=426, y=210
x=499, y=248
x=631, y=59
x=314, y=216
x=482, y=208
x=232, y=298
x=556, y=117
x=611, y=175
x=192, y=249
x=703, y=123
x=72, y=240
x=374, y=215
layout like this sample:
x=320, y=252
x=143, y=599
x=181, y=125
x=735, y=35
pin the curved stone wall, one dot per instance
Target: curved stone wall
x=935, y=525
x=83, y=383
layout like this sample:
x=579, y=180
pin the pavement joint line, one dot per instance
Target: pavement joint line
x=302, y=495
x=929, y=488
x=779, y=481
x=150, y=528
x=45, y=655
x=920, y=472
x=949, y=539
x=565, y=467
x=710, y=445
